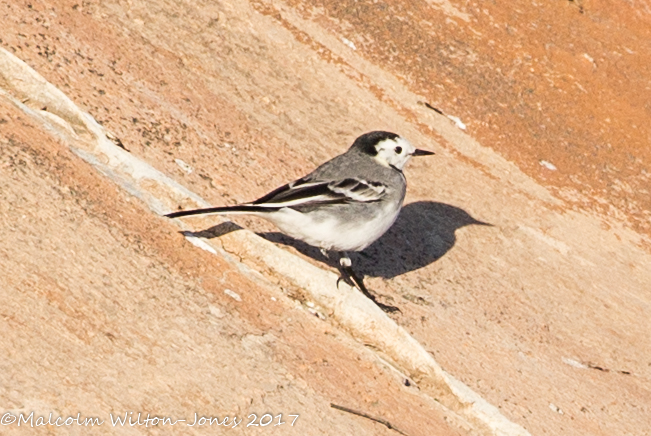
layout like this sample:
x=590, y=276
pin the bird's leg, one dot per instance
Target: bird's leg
x=345, y=269
x=349, y=276
x=325, y=253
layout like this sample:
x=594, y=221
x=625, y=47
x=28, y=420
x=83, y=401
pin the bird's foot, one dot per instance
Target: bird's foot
x=350, y=278
x=343, y=278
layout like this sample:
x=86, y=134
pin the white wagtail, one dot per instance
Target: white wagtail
x=344, y=205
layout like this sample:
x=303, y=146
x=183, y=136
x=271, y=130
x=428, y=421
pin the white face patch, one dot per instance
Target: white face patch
x=394, y=152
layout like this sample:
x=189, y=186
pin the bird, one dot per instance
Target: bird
x=344, y=205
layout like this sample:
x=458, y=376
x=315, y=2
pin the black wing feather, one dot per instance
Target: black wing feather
x=303, y=193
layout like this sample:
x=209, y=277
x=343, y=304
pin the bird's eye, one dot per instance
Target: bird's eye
x=398, y=150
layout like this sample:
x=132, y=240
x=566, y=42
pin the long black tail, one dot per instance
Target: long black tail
x=224, y=210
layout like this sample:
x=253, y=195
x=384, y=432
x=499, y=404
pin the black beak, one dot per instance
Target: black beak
x=422, y=153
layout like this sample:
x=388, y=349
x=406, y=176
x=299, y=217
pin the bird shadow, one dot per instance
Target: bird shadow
x=423, y=233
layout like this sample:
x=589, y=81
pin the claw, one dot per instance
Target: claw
x=388, y=309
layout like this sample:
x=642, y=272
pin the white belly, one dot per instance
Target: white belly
x=352, y=234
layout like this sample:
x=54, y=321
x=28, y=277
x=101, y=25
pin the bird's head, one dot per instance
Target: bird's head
x=387, y=149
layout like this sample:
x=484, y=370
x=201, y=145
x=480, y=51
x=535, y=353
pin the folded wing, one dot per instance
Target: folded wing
x=305, y=192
